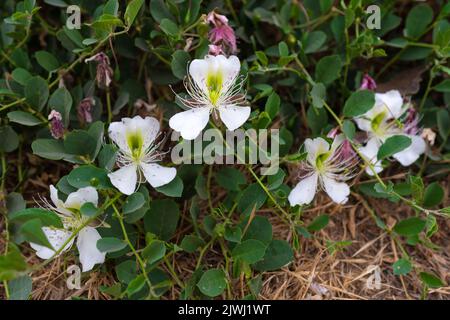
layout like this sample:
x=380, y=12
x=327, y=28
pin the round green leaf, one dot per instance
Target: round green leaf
x=9, y=138
x=110, y=244
x=36, y=92
x=402, y=267
x=180, y=60
x=249, y=251
x=410, y=226
x=393, y=145
x=212, y=283
x=278, y=254
x=24, y=118
x=359, y=103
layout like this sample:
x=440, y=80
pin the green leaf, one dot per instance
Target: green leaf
x=49, y=148
x=230, y=179
x=159, y=10
x=431, y=280
x=136, y=285
x=272, y=106
x=212, y=283
x=393, y=145
x=283, y=49
x=274, y=181
x=359, y=103
x=417, y=21
x=20, y=288
x=89, y=176
x=402, y=267
x=154, y=251
x=47, y=61
x=169, y=27
x=173, y=189
x=46, y=217
x=249, y=251
x=88, y=209
x=110, y=244
x=80, y=143
x=319, y=223
x=21, y=75
x=12, y=264
x=9, y=138
x=318, y=95
x=410, y=226
x=434, y=194
x=328, y=69
x=32, y=232
x=36, y=92
x=191, y=243
x=348, y=127
x=443, y=86
x=314, y=41
x=253, y=197
x=162, y=218
x=61, y=101
x=179, y=63
x=443, y=123
x=278, y=254
x=134, y=202
x=233, y=234
x=259, y=229
x=24, y=118
x=132, y=10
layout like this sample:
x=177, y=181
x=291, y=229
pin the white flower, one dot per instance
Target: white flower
x=72, y=219
x=382, y=122
x=138, y=153
x=212, y=88
x=325, y=166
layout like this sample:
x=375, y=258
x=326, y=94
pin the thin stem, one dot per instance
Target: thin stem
x=136, y=254
x=108, y=105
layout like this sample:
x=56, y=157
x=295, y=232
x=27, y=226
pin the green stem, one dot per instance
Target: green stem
x=108, y=105
x=136, y=254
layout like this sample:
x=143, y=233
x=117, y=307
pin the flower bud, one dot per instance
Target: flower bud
x=368, y=83
x=56, y=124
x=84, y=110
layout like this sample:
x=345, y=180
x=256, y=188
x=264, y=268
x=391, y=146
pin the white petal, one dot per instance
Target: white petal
x=76, y=199
x=87, y=247
x=118, y=133
x=56, y=237
x=338, y=191
x=190, y=123
x=364, y=124
x=198, y=70
x=148, y=127
x=304, y=191
x=59, y=204
x=393, y=101
x=229, y=67
x=370, y=151
x=233, y=116
x=125, y=179
x=315, y=147
x=158, y=175
x=409, y=155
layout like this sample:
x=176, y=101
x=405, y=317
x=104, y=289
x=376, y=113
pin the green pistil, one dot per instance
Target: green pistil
x=214, y=83
x=135, y=143
x=320, y=160
x=377, y=120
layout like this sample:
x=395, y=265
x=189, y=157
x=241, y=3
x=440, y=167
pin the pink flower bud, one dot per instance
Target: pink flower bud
x=411, y=122
x=221, y=35
x=56, y=124
x=368, y=83
x=104, y=72
x=333, y=133
x=84, y=110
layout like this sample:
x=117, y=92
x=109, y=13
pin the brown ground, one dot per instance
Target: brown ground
x=315, y=273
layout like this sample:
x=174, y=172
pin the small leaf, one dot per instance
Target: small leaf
x=191, y=243
x=318, y=223
x=169, y=27
x=110, y=244
x=393, y=145
x=20, y=288
x=359, y=103
x=328, y=69
x=230, y=179
x=417, y=20
x=318, y=95
x=402, y=267
x=212, y=283
x=431, y=280
x=9, y=138
x=179, y=63
x=410, y=226
x=47, y=60
x=434, y=194
x=162, y=218
x=89, y=176
x=36, y=92
x=173, y=189
x=249, y=251
x=278, y=254
x=132, y=10
x=154, y=251
x=272, y=106
x=134, y=202
x=24, y=118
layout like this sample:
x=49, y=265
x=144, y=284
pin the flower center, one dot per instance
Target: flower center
x=135, y=143
x=377, y=121
x=320, y=160
x=214, y=82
